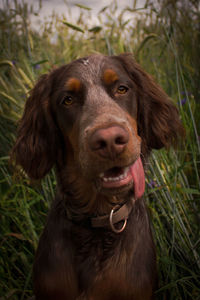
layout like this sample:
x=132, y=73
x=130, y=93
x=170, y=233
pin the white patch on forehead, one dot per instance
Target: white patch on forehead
x=92, y=66
x=86, y=62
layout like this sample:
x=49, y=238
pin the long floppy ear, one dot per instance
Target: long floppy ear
x=35, y=145
x=158, y=119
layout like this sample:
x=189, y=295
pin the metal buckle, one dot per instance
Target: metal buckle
x=111, y=221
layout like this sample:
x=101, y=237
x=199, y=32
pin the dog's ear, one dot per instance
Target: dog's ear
x=35, y=145
x=158, y=119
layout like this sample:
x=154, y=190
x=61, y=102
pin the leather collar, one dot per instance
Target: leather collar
x=117, y=214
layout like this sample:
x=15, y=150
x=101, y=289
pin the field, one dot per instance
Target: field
x=164, y=37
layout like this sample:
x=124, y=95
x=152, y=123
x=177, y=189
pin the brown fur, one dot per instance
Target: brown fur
x=109, y=77
x=73, y=84
x=75, y=260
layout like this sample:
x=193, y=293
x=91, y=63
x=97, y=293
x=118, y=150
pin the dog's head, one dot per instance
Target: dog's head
x=97, y=115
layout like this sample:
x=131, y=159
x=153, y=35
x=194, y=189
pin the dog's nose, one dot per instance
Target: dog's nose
x=109, y=142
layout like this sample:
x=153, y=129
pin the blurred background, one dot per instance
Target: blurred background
x=164, y=37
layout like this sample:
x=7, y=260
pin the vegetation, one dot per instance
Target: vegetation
x=165, y=38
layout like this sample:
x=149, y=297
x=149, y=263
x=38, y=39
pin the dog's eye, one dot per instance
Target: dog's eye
x=68, y=100
x=122, y=89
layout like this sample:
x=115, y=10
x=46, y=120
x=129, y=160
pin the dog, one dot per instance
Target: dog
x=96, y=120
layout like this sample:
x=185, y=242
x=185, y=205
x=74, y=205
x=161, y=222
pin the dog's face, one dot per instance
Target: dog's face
x=95, y=105
x=98, y=114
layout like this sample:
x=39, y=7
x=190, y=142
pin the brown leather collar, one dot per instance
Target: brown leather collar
x=116, y=215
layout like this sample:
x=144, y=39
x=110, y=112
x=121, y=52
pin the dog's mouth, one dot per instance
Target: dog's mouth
x=116, y=177
x=122, y=177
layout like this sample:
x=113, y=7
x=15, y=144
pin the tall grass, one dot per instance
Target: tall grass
x=164, y=37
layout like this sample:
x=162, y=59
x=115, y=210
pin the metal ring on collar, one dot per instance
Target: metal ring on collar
x=111, y=221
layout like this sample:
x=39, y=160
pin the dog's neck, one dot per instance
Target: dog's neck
x=83, y=198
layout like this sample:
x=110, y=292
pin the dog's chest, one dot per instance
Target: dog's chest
x=103, y=263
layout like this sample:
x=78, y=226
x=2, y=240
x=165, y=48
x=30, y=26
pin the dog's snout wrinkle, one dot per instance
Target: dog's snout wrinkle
x=109, y=142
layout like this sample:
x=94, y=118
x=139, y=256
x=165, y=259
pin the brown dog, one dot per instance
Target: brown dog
x=93, y=119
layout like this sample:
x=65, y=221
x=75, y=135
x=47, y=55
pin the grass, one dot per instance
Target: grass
x=164, y=37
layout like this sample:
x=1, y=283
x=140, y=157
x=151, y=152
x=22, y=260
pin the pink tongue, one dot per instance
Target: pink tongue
x=137, y=173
